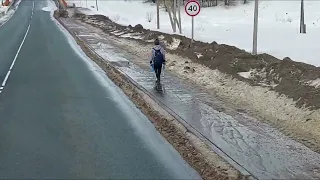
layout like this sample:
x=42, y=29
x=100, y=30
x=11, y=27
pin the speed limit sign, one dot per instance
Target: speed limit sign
x=192, y=8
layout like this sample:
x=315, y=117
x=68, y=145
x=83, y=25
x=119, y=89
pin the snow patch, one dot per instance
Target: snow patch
x=315, y=83
x=199, y=55
x=175, y=44
x=247, y=75
x=117, y=32
x=7, y=13
x=161, y=37
x=129, y=35
x=3, y=9
x=51, y=6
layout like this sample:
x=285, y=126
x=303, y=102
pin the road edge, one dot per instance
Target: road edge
x=197, y=153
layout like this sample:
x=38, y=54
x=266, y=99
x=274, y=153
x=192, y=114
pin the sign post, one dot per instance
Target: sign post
x=255, y=28
x=192, y=8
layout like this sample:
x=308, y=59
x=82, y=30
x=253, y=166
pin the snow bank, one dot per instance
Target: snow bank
x=315, y=83
x=278, y=25
x=51, y=6
x=3, y=9
x=6, y=14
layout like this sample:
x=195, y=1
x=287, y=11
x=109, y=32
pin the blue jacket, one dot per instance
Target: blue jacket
x=157, y=47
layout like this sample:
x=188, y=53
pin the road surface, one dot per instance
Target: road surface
x=60, y=117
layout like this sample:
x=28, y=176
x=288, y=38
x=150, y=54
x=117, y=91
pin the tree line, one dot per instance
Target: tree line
x=209, y=3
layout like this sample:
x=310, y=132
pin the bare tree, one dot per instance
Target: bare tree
x=149, y=16
x=171, y=9
x=226, y=2
x=168, y=5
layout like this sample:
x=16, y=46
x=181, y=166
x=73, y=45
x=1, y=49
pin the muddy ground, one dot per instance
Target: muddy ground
x=293, y=79
x=207, y=169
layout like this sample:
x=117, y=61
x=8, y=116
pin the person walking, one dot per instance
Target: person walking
x=157, y=61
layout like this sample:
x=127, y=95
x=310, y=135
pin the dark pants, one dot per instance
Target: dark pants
x=157, y=70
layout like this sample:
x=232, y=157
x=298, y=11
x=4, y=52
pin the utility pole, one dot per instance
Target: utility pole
x=302, y=25
x=255, y=28
x=179, y=11
x=158, y=14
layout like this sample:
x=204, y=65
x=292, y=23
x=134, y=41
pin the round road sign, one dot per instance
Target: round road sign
x=192, y=8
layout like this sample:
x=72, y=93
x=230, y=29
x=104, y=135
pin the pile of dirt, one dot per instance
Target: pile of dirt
x=61, y=13
x=293, y=79
x=138, y=28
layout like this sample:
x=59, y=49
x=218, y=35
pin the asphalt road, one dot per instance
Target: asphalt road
x=60, y=117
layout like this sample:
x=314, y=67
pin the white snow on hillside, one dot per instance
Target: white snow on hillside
x=278, y=25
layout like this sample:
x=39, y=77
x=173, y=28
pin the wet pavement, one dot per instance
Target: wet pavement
x=260, y=149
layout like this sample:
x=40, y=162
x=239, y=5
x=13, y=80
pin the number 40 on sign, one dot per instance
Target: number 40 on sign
x=192, y=8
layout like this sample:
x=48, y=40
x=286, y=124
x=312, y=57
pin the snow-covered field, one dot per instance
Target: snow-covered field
x=278, y=25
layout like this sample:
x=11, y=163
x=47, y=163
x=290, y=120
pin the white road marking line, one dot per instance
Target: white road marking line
x=32, y=10
x=16, y=56
x=6, y=78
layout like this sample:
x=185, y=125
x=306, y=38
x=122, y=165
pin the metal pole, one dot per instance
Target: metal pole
x=179, y=7
x=255, y=28
x=158, y=14
x=175, y=15
x=192, y=29
x=97, y=5
x=302, y=25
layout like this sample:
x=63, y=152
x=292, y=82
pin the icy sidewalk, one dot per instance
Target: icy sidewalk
x=259, y=148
